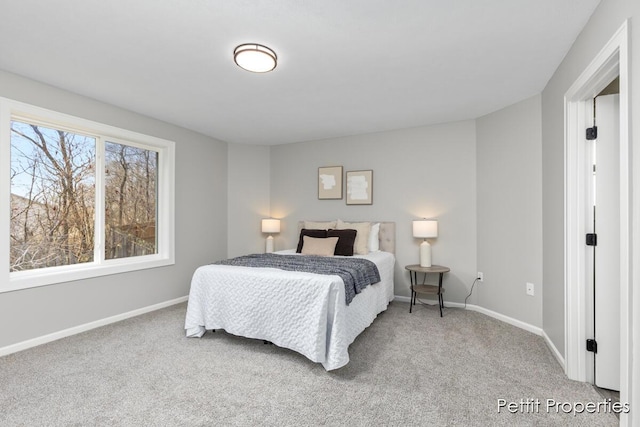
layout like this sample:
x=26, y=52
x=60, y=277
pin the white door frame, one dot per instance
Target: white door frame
x=613, y=60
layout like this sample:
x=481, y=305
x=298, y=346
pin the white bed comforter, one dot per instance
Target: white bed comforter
x=304, y=312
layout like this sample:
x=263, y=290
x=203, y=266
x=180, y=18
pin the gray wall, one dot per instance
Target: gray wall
x=201, y=200
x=605, y=21
x=482, y=179
x=428, y=171
x=509, y=192
x=419, y=172
x=248, y=200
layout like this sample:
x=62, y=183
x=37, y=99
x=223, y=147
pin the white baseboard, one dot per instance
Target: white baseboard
x=510, y=320
x=554, y=350
x=495, y=315
x=14, y=348
x=522, y=325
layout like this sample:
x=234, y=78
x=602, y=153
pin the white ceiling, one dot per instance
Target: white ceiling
x=345, y=66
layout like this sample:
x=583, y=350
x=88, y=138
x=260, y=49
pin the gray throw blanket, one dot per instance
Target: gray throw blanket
x=356, y=273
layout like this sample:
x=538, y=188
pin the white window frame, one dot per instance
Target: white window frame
x=12, y=281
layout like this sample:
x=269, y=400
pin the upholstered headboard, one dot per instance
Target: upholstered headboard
x=386, y=237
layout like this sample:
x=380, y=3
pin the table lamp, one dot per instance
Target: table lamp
x=425, y=229
x=271, y=226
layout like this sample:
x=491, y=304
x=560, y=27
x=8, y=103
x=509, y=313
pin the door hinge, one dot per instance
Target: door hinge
x=592, y=346
x=592, y=239
x=592, y=133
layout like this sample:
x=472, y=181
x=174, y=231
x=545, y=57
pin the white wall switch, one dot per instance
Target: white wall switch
x=530, y=289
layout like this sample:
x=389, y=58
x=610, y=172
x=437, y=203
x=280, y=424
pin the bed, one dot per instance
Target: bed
x=301, y=311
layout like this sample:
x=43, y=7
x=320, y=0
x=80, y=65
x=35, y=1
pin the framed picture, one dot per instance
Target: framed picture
x=330, y=182
x=360, y=187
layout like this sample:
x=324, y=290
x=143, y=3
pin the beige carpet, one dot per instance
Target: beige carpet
x=405, y=369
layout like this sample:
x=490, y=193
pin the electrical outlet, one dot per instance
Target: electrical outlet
x=480, y=276
x=530, y=289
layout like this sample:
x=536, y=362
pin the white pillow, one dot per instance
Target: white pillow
x=323, y=246
x=319, y=225
x=361, y=245
x=374, y=238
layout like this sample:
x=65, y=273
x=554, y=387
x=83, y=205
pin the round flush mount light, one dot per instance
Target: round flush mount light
x=255, y=58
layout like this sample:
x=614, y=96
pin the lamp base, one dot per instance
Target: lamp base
x=269, y=245
x=425, y=254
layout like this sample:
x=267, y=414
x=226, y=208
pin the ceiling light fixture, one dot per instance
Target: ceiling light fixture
x=255, y=58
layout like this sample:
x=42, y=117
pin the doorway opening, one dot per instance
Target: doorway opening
x=611, y=62
x=602, y=141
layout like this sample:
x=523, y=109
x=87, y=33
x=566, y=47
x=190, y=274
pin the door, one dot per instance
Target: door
x=607, y=251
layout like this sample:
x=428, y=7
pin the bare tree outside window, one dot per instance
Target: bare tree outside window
x=52, y=197
x=130, y=201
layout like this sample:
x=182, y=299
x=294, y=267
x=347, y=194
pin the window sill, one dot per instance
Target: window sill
x=35, y=278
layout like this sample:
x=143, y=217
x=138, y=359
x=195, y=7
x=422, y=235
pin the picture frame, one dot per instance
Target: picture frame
x=360, y=187
x=330, y=183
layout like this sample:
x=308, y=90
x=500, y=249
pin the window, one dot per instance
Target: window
x=52, y=197
x=130, y=201
x=85, y=199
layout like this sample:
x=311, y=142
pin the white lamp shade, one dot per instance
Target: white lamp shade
x=270, y=225
x=425, y=228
